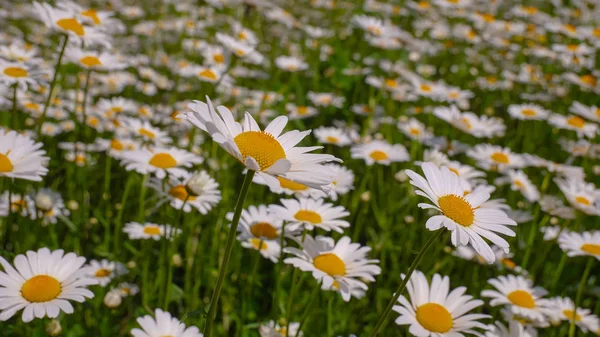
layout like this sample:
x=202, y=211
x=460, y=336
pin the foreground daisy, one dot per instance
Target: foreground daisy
x=21, y=157
x=519, y=295
x=163, y=324
x=434, y=311
x=461, y=213
x=307, y=213
x=343, y=264
x=42, y=284
x=580, y=244
x=270, y=153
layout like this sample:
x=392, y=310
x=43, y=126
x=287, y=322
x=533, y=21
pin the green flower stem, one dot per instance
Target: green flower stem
x=52, y=85
x=308, y=309
x=174, y=249
x=212, y=311
x=584, y=278
x=531, y=238
x=119, y=220
x=14, y=107
x=402, y=286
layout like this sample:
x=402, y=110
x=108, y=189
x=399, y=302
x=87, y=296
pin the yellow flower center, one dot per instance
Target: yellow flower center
x=582, y=200
x=465, y=121
x=521, y=298
x=391, y=83
x=519, y=183
x=41, y=288
x=264, y=230
x=508, y=263
x=163, y=160
x=71, y=25
x=378, y=155
x=291, y=185
x=219, y=58
x=454, y=95
x=16, y=72
x=434, y=317
x=374, y=30
x=103, y=272
x=32, y=106
x=5, y=163
x=569, y=314
x=308, y=216
x=152, y=230
x=90, y=61
x=423, y=4
x=181, y=193
x=208, y=74
x=570, y=28
x=528, y=112
x=332, y=139
x=92, y=14
x=414, y=131
x=591, y=248
x=457, y=209
x=116, y=145
x=302, y=110
x=146, y=132
x=261, y=146
x=576, y=122
x=500, y=158
x=330, y=264
x=258, y=244
x=589, y=80
x=425, y=88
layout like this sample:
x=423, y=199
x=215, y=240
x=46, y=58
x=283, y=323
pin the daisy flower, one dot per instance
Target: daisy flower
x=371, y=25
x=21, y=74
x=515, y=329
x=580, y=244
x=590, y=112
x=104, y=271
x=258, y=223
x=19, y=204
x=160, y=161
x=343, y=180
x=325, y=99
x=143, y=130
x=528, y=111
x=365, y=110
x=380, y=152
x=520, y=296
x=343, y=263
x=574, y=123
x=290, y=63
x=551, y=232
x=269, y=249
x=163, y=324
x=300, y=111
x=273, y=329
x=149, y=230
x=435, y=310
x=42, y=284
x=270, y=153
x=21, y=157
x=128, y=289
x=50, y=205
x=292, y=188
x=519, y=181
x=199, y=191
x=307, y=213
x=414, y=129
x=461, y=214
x=332, y=135
x=583, y=196
x=564, y=309
x=493, y=157
x=94, y=60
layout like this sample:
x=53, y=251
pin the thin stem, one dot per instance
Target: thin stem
x=84, y=104
x=531, y=238
x=288, y=312
x=212, y=311
x=119, y=219
x=584, y=278
x=14, y=107
x=52, y=85
x=308, y=309
x=142, y=200
x=558, y=271
x=174, y=246
x=400, y=289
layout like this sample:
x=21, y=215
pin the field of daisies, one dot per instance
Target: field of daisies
x=322, y=168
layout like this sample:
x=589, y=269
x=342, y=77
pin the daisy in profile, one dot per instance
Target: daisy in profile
x=292, y=188
x=307, y=213
x=344, y=263
x=198, y=190
x=160, y=161
x=42, y=284
x=574, y=123
x=590, y=112
x=564, y=309
x=258, y=223
x=332, y=135
x=290, y=63
x=527, y=111
x=128, y=289
x=582, y=195
x=21, y=157
x=580, y=244
x=50, y=205
x=414, y=129
x=461, y=214
x=273, y=329
x=104, y=271
x=520, y=296
x=380, y=152
x=270, y=153
x=300, y=111
x=149, y=230
x=356, y=291
x=163, y=324
x=269, y=249
x=519, y=181
x=17, y=204
x=342, y=180
x=433, y=310
x=493, y=157
x=372, y=25
x=515, y=329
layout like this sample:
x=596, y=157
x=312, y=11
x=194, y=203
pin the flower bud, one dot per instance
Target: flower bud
x=113, y=298
x=177, y=261
x=53, y=328
x=365, y=196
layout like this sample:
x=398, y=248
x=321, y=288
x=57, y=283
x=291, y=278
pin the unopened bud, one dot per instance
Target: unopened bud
x=113, y=298
x=409, y=219
x=197, y=183
x=53, y=328
x=365, y=196
x=401, y=176
x=554, y=220
x=177, y=261
x=72, y=205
